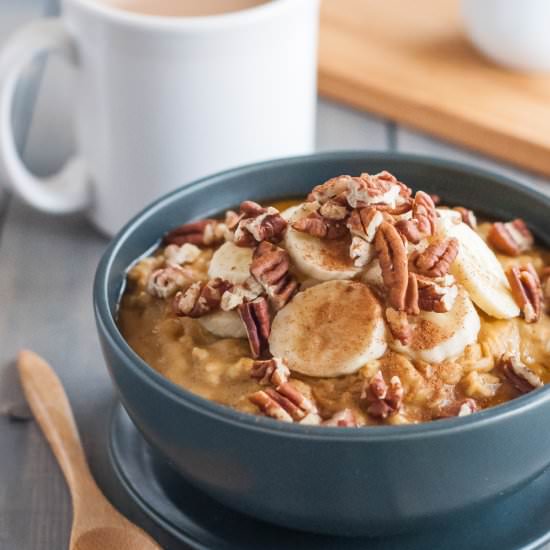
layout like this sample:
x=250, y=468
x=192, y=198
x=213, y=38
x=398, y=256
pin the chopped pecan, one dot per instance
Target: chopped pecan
x=399, y=325
x=464, y=407
x=382, y=188
x=414, y=230
x=232, y=219
x=392, y=255
x=178, y=255
x=286, y=398
x=423, y=221
x=520, y=376
x=436, y=260
x=293, y=394
x=468, y=217
x=412, y=298
x=526, y=290
x=270, y=371
x=343, y=419
x=316, y=225
x=384, y=400
x=437, y=295
x=360, y=251
x=424, y=212
x=200, y=298
x=332, y=210
x=255, y=316
x=238, y=294
x=545, y=285
x=164, y=282
x=257, y=224
x=333, y=187
x=201, y=233
x=511, y=238
x=396, y=210
x=270, y=265
x=364, y=222
x=269, y=406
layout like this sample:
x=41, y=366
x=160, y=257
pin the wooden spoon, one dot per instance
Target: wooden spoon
x=96, y=524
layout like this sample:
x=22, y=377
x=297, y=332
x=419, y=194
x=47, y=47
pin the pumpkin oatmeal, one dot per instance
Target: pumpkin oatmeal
x=364, y=304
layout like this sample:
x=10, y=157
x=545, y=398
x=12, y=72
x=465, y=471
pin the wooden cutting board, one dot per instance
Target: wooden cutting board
x=410, y=61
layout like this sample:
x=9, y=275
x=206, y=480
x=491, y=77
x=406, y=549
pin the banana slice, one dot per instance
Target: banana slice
x=440, y=336
x=231, y=262
x=330, y=329
x=225, y=324
x=321, y=259
x=478, y=270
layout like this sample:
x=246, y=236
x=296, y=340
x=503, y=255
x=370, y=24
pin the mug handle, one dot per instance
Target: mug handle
x=69, y=189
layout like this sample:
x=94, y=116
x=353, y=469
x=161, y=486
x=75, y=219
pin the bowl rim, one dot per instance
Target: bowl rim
x=107, y=326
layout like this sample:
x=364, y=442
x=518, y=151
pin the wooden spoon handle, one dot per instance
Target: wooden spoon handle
x=50, y=406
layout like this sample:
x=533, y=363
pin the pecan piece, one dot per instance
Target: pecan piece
x=526, y=290
x=545, y=285
x=414, y=230
x=436, y=260
x=333, y=210
x=468, y=217
x=270, y=371
x=257, y=224
x=240, y=293
x=201, y=233
x=412, y=298
x=399, y=325
x=162, y=283
x=519, y=375
x=255, y=316
x=465, y=407
x=269, y=406
x=178, y=255
x=511, y=238
x=364, y=222
x=424, y=211
x=423, y=221
x=316, y=225
x=396, y=210
x=200, y=298
x=270, y=265
x=285, y=398
x=383, y=400
x=392, y=255
x=380, y=189
x=437, y=295
x=342, y=419
x=332, y=188
x=360, y=251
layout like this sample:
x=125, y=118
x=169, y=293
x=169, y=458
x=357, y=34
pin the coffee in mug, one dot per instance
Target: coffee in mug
x=184, y=8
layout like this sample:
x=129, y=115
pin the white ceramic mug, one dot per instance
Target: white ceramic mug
x=512, y=33
x=164, y=100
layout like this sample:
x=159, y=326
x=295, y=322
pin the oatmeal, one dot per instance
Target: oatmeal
x=363, y=304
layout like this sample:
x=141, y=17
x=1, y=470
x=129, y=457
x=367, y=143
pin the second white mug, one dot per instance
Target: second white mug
x=165, y=100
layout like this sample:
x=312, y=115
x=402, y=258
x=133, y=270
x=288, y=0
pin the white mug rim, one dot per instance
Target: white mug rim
x=180, y=23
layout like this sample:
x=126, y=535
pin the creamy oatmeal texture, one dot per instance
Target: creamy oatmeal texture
x=363, y=304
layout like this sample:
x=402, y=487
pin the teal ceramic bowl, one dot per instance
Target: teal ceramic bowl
x=343, y=481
